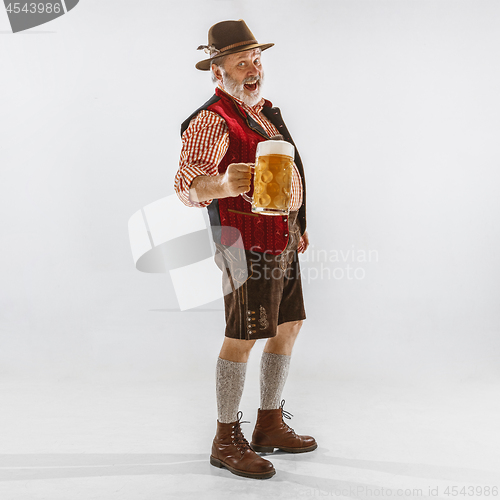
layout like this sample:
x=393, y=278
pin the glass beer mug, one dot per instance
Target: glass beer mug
x=272, y=182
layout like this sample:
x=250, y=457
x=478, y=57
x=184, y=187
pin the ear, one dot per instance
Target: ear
x=217, y=72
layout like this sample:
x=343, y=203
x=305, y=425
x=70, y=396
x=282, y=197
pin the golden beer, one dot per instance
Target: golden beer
x=272, y=184
x=272, y=178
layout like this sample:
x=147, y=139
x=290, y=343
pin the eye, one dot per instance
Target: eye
x=257, y=62
x=242, y=63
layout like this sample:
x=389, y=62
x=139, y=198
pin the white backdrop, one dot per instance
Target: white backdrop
x=394, y=106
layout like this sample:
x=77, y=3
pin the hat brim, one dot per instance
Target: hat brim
x=207, y=63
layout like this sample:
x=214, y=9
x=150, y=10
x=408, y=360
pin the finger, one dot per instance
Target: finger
x=240, y=167
x=243, y=176
x=303, y=244
x=239, y=178
x=242, y=183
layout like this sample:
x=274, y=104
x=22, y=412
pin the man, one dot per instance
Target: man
x=219, y=142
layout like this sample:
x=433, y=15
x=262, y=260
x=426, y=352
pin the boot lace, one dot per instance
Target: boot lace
x=288, y=415
x=237, y=436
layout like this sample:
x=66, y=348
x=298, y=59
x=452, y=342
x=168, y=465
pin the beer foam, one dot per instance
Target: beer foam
x=275, y=148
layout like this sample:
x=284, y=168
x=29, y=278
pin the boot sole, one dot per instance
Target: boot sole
x=270, y=449
x=254, y=475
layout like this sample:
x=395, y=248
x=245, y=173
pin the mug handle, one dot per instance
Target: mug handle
x=244, y=195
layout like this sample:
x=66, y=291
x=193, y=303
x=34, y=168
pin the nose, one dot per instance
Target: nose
x=253, y=69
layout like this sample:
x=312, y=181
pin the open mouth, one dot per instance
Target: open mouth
x=251, y=86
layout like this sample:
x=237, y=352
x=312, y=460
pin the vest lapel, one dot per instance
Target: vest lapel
x=252, y=124
x=274, y=116
x=256, y=127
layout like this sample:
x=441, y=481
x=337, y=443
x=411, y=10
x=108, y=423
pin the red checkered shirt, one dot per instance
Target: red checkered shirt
x=204, y=144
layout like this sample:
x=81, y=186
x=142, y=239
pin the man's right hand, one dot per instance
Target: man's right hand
x=236, y=179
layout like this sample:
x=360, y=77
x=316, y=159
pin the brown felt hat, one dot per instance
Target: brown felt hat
x=228, y=37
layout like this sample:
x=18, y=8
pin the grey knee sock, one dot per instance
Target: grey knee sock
x=273, y=374
x=230, y=379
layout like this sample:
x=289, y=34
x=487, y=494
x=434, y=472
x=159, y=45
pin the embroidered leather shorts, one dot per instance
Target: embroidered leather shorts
x=261, y=291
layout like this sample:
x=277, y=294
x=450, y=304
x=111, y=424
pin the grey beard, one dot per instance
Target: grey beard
x=238, y=91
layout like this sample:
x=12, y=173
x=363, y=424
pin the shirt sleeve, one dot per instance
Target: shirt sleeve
x=296, y=195
x=204, y=144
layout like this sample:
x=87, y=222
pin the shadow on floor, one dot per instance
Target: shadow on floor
x=15, y=467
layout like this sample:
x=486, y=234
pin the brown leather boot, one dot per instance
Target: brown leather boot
x=271, y=432
x=230, y=449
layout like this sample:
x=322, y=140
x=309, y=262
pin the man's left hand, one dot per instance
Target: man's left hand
x=303, y=243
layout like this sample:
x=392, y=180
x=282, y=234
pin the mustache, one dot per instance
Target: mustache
x=254, y=79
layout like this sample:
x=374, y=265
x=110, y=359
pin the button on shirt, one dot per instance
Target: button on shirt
x=204, y=144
